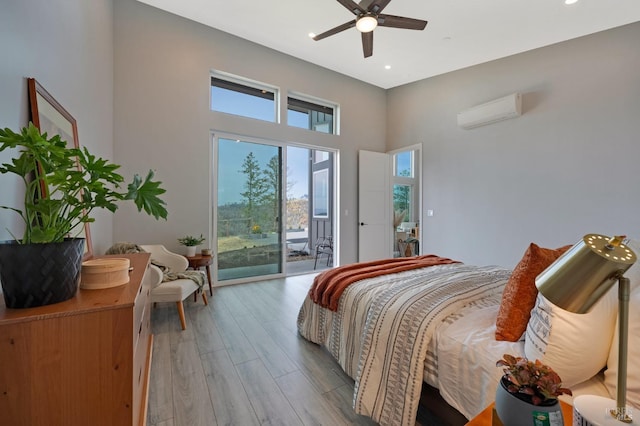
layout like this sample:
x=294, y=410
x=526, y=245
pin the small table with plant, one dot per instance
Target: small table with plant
x=201, y=260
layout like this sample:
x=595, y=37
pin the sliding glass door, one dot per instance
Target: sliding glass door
x=248, y=195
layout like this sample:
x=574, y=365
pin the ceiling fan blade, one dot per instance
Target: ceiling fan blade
x=367, y=44
x=401, y=22
x=335, y=30
x=374, y=6
x=353, y=7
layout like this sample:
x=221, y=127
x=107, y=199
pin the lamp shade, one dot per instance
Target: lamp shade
x=583, y=274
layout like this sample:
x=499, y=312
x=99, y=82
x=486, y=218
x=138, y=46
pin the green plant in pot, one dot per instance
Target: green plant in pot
x=63, y=185
x=528, y=391
x=191, y=242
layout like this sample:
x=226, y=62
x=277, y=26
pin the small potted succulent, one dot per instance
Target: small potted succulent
x=527, y=389
x=191, y=243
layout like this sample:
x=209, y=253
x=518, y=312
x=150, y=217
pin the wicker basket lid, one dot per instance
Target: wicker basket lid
x=104, y=273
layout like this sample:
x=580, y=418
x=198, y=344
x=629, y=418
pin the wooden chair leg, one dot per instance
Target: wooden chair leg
x=204, y=297
x=183, y=321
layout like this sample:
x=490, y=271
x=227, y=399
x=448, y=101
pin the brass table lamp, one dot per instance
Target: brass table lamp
x=575, y=282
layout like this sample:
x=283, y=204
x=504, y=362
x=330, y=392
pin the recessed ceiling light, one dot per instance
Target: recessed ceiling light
x=387, y=67
x=570, y=1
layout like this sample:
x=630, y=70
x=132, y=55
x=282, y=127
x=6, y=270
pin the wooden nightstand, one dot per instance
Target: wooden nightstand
x=488, y=416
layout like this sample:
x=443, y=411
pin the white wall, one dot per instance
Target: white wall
x=68, y=47
x=567, y=167
x=162, y=117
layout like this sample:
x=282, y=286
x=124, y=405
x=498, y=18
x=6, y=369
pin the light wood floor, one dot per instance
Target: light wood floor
x=241, y=362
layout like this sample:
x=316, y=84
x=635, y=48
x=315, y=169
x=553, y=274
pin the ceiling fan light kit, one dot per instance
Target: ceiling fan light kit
x=366, y=23
x=368, y=17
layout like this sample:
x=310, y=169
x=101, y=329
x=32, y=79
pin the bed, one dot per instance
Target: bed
x=434, y=325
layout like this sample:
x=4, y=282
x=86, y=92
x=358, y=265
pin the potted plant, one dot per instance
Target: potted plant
x=191, y=243
x=528, y=390
x=63, y=185
x=256, y=232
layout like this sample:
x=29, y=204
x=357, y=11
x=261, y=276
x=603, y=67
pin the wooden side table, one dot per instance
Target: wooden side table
x=488, y=416
x=198, y=261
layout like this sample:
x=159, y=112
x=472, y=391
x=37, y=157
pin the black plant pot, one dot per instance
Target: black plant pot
x=40, y=274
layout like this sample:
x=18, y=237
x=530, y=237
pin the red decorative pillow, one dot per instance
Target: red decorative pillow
x=519, y=295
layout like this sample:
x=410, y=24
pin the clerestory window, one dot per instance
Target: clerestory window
x=234, y=95
x=312, y=114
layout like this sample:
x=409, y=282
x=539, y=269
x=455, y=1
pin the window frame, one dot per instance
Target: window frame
x=410, y=181
x=247, y=87
x=304, y=103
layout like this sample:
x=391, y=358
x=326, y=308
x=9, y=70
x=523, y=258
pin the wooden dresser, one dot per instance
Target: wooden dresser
x=85, y=361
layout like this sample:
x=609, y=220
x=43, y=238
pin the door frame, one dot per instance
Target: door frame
x=334, y=203
x=215, y=135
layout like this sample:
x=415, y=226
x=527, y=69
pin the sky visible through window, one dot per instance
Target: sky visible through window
x=232, y=154
x=403, y=164
x=232, y=102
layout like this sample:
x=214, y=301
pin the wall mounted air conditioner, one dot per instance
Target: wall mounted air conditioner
x=490, y=112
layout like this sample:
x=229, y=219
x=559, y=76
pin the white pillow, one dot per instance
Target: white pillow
x=576, y=346
x=633, y=350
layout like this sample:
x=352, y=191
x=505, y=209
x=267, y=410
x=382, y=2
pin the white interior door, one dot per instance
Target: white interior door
x=374, y=206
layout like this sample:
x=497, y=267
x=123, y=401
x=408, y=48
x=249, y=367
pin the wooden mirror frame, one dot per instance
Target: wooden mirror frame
x=45, y=111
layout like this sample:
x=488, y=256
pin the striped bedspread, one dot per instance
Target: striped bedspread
x=380, y=332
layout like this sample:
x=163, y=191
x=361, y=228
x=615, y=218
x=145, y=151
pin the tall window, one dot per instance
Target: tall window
x=234, y=95
x=404, y=184
x=311, y=114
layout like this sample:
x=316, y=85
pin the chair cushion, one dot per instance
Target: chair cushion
x=173, y=291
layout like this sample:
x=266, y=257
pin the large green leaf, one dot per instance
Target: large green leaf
x=145, y=195
x=59, y=196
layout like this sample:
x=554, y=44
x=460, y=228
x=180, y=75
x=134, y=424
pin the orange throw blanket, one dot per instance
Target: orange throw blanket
x=328, y=286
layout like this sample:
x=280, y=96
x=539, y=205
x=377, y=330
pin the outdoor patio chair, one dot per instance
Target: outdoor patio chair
x=324, y=246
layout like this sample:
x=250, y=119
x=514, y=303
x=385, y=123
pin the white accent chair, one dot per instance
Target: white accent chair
x=171, y=291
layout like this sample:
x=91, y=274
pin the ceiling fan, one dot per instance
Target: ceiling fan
x=368, y=17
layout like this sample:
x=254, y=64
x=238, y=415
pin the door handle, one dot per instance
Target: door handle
x=362, y=224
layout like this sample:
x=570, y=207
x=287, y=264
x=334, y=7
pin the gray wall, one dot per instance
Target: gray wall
x=68, y=47
x=163, y=121
x=567, y=167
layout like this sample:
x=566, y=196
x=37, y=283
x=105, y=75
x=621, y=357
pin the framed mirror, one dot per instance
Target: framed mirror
x=49, y=116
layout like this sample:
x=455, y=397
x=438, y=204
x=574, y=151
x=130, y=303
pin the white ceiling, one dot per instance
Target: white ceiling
x=460, y=33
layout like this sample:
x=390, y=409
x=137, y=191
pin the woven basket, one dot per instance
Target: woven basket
x=104, y=273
